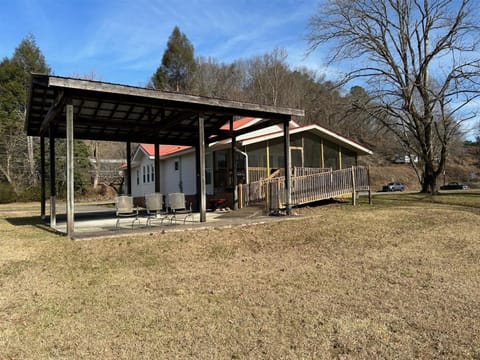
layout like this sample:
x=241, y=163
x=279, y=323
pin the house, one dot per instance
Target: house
x=257, y=155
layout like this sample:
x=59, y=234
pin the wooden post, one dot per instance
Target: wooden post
x=129, y=168
x=240, y=196
x=201, y=168
x=322, y=157
x=286, y=152
x=369, y=187
x=42, y=179
x=53, y=188
x=267, y=194
x=268, y=158
x=157, y=167
x=234, y=167
x=70, y=171
x=354, y=198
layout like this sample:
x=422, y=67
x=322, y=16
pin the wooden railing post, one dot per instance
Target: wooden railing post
x=369, y=187
x=354, y=197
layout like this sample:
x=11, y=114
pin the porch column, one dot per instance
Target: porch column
x=53, y=188
x=129, y=168
x=42, y=178
x=157, y=167
x=234, y=166
x=70, y=171
x=201, y=186
x=286, y=152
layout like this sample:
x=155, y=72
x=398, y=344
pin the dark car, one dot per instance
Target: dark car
x=454, y=185
x=394, y=186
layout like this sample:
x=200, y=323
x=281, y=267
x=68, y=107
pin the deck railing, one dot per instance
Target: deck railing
x=305, y=188
x=256, y=173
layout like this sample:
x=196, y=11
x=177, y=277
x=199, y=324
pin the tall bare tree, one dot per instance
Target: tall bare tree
x=420, y=60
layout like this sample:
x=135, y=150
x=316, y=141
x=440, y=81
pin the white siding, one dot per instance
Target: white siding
x=146, y=180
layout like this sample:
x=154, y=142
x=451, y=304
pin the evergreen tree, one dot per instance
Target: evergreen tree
x=17, y=163
x=178, y=64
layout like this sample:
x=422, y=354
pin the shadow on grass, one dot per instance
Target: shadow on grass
x=32, y=221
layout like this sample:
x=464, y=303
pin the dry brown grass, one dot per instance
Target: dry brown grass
x=343, y=282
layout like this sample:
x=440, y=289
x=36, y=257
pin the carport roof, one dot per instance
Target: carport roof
x=115, y=112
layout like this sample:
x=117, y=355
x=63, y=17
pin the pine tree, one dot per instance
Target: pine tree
x=178, y=64
x=17, y=163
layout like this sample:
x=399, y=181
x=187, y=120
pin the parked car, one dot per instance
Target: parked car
x=394, y=186
x=454, y=185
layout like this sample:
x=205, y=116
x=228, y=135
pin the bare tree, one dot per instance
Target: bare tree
x=218, y=80
x=420, y=61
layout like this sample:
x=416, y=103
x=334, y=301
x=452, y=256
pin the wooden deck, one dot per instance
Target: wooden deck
x=306, y=188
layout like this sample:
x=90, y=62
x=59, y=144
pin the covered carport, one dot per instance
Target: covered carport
x=69, y=108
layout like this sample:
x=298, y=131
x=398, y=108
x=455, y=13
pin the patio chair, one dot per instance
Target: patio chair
x=124, y=209
x=179, y=208
x=155, y=209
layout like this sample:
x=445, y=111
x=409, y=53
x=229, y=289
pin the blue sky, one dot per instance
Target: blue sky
x=123, y=41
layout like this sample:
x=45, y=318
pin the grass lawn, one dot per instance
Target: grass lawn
x=397, y=279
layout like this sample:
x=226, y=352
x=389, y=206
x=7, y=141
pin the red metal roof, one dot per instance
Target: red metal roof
x=171, y=149
x=164, y=149
x=237, y=124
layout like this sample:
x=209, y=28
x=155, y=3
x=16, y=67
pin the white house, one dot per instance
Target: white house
x=258, y=153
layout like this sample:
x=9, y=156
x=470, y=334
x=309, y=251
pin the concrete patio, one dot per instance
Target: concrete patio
x=99, y=220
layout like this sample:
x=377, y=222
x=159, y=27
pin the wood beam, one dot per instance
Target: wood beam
x=43, y=195
x=129, y=168
x=53, y=187
x=52, y=113
x=234, y=166
x=70, y=171
x=288, y=162
x=224, y=135
x=201, y=169
x=157, y=167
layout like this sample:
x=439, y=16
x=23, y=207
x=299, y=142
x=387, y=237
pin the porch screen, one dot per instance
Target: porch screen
x=348, y=158
x=257, y=155
x=312, y=152
x=330, y=153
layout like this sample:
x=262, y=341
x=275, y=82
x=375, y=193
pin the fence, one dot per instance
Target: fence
x=307, y=188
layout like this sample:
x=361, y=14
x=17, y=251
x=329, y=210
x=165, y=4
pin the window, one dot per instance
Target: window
x=176, y=165
x=153, y=172
x=138, y=177
x=148, y=174
x=143, y=173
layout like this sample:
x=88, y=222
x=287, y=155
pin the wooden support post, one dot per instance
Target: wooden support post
x=43, y=195
x=354, y=192
x=369, y=187
x=70, y=172
x=322, y=156
x=268, y=158
x=286, y=151
x=234, y=167
x=53, y=188
x=201, y=168
x=129, y=168
x=157, y=167
x=240, y=196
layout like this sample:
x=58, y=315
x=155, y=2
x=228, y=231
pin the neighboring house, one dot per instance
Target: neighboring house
x=258, y=154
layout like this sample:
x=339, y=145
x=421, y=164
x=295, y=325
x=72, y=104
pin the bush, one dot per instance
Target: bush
x=7, y=193
x=30, y=194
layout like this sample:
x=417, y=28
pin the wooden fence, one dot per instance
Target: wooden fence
x=305, y=188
